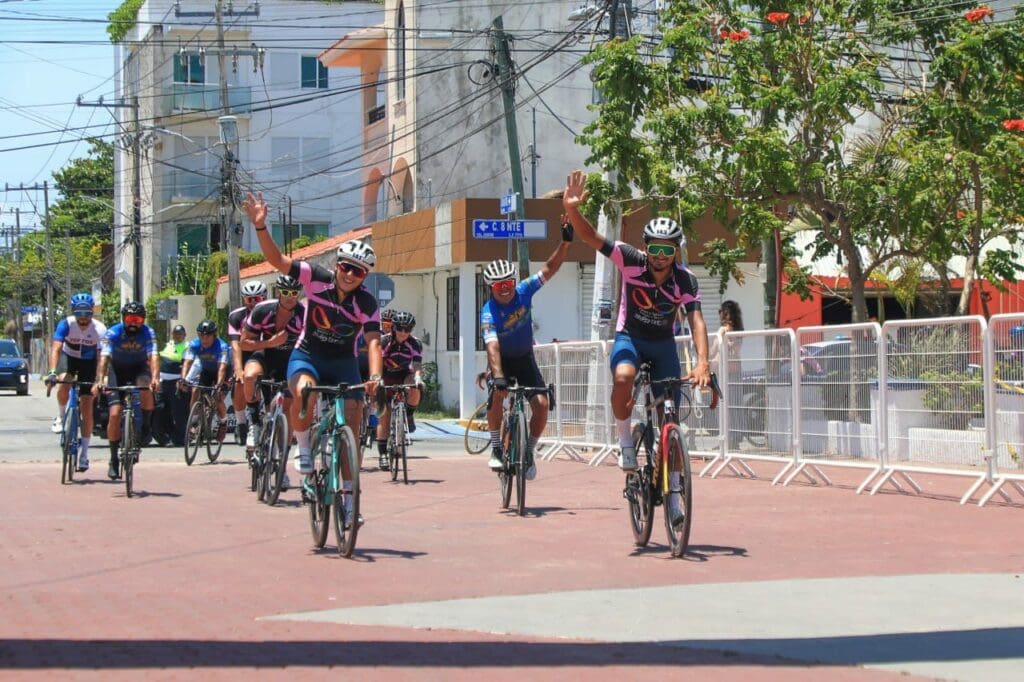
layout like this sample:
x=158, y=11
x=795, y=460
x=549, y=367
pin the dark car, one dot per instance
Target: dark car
x=13, y=367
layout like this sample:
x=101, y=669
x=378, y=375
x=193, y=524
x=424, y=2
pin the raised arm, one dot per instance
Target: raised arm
x=555, y=260
x=572, y=199
x=256, y=208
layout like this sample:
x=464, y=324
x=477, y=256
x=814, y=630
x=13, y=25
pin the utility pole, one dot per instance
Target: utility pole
x=19, y=332
x=230, y=232
x=135, y=236
x=506, y=79
x=48, y=277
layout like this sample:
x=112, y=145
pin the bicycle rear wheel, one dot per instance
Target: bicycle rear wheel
x=277, y=458
x=521, y=464
x=679, y=532
x=346, y=521
x=194, y=431
x=638, y=490
x=475, y=439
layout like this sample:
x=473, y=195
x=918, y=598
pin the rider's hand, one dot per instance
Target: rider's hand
x=700, y=374
x=154, y=385
x=567, y=231
x=50, y=379
x=575, y=191
x=98, y=386
x=277, y=339
x=499, y=383
x=256, y=208
x=239, y=375
x=181, y=386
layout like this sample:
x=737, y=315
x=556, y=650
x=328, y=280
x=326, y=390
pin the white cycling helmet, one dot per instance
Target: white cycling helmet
x=663, y=228
x=357, y=253
x=498, y=270
x=254, y=287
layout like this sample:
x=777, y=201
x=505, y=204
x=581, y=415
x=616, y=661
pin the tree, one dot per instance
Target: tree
x=86, y=186
x=748, y=109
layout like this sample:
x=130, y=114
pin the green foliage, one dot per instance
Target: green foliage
x=123, y=19
x=737, y=114
x=110, y=312
x=216, y=267
x=431, y=394
x=954, y=397
x=86, y=185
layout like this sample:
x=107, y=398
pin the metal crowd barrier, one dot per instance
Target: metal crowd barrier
x=938, y=396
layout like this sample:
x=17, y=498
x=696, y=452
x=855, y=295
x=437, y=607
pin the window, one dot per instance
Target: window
x=400, y=51
x=314, y=74
x=408, y=194
x=193, y=239
x=452, y=298
x=311, y=230
x=189, y=68
x=294, y=156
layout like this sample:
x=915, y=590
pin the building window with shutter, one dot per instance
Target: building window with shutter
x=314, y=74
x=452, y=299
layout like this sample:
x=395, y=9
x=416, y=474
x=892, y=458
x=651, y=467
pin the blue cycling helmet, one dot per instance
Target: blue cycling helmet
x=82, y=302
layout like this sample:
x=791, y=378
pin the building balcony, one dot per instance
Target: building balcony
x=185, y=98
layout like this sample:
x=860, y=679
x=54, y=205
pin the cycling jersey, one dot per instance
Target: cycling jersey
x=333, y=321
x=236, y=322
x=512, y=325
x=262, y=322
x=647, y=309
x=126, y=349
x=399, y=356
x=81, y=343
x=210, y=356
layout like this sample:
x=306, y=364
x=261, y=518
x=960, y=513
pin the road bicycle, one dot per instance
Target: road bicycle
x=398, y=437
x=199, y=428
x=477, y=437
x=651, y=484
x=131, y=433
x=71, y=428
x=367, y=429
x=269, y=459
x=324, y=489
x=514, y=436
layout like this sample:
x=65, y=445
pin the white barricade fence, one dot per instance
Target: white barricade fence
x=702, y=426
x=547, y=362
x=933, y=399
x=1004, y=383
x=837, y=376
x=582, y=417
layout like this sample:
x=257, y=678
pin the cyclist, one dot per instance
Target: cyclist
x=338, y=308
x=254, y=292
x=212, y=354
x=76, y=342
x=128, y=356
x=270, y=333
x=364, y=362
x=507, y=328
x=654, y=286
x=402, y=354
x=387, y=318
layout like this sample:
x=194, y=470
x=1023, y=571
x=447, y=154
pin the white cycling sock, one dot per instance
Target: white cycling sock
x=495, y=439
x=625, y=433
x=302, y=440
x=85, y=447
x=240, y=416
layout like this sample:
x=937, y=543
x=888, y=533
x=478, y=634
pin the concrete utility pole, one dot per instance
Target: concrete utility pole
x=506, y=79
x=230, y=232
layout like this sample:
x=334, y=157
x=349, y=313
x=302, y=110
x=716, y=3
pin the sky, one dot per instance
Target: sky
x=47, y=63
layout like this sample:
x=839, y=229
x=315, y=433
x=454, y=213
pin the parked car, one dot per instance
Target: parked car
x=13, y=367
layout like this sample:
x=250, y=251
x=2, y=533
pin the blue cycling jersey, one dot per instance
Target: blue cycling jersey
x=210, y=356
x=128, y=349
x=512, y=325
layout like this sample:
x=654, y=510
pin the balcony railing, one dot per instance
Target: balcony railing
x=376, y=114
x=182, y=98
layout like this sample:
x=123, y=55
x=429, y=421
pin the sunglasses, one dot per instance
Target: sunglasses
x=80, y=313
x=353, y=270
x=288, y=294
x=403, y=328
x=134, y=319
x=661, y=250
x=207, y=333
x=504, y=286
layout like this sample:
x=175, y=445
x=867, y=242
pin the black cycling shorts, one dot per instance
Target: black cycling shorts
x=274, y=363
x=85, y=370
x=524, y=370
x=125, y=375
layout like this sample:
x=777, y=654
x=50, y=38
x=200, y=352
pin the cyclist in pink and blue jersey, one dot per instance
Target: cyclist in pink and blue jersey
x=655, y=285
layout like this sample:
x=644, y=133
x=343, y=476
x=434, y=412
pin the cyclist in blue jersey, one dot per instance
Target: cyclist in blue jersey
x=128, y=355
x=76, y=343
x=213, y=355
x=507, y=328
x=338, y=309
x=655, y=284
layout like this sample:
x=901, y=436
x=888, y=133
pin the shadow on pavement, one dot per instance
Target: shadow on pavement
x=884, y=648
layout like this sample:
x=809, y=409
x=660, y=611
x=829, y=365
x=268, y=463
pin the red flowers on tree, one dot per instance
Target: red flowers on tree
x=961, y=215
x=978, y=13
x=1014, y=124
x=739, y=36
x=778, y=18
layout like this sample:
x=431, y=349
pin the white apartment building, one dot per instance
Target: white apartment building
x=298, y=124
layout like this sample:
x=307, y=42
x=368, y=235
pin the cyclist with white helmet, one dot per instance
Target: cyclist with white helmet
x=254, y=292
x=338, y=308
x=76, y=342
x=655, y=285
x=506, y=325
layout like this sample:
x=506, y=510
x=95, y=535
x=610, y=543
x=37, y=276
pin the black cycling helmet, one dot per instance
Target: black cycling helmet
x=387, y=315
x=404, y=320
x=287, y=283
x=207, y=327
x=133, y=308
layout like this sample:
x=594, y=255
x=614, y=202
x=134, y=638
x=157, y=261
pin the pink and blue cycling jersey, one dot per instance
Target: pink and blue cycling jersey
x=648, y=310
x=332, y=325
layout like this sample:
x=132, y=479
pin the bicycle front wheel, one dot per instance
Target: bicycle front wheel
x=277, y=458
x=346, y=503
x=319, y=507
x=194, y=432
x=638, y=490
x=67, y=449
x=508, y=437
x=213, y=443
x=129, y=445
x=476, y=439
x=520, y=463
x=398, y=453
x=678, y=528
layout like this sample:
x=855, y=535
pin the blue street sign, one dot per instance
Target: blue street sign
x=510, y=229
x=29, y=309
x=509, y=202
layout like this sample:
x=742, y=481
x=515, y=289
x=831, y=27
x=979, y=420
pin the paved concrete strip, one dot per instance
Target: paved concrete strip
x=968, y=627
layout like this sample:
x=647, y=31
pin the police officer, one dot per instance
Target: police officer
x=174, y=409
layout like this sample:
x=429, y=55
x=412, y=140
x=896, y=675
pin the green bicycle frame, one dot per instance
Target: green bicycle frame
x=329, y=428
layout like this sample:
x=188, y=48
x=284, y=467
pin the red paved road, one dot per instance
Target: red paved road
x=172, y=583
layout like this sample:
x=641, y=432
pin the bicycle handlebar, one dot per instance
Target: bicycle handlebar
x=81, y=384
x=332, y=390
x=527, y=391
